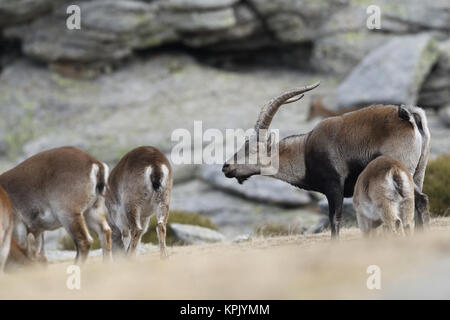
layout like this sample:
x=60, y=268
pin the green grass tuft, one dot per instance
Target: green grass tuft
x=176, y=217
x=437, y=184
x=277, y=229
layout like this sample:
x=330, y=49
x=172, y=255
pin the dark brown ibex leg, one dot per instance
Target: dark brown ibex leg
x=134, y=222
x=421, y=209
x=335, y=200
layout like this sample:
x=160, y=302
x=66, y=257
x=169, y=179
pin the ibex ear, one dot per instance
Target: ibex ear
x=32, y=246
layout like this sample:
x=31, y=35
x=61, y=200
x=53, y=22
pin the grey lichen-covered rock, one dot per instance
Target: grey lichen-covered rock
x=345, y=40
x=435, y=91
x=289, y=28
x=257, y=188
x=201, y=21
x=244, y=34
x=190, y=5
x=110, y=30
x=190, y=234
x=339, y=53
x=295, y=21
x=414, y=15
x=41, y=109
x=20, y=11
x=391, y=74
x=444, y=114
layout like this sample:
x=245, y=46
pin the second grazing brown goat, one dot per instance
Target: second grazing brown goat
x=139, y=187
x=384, y=194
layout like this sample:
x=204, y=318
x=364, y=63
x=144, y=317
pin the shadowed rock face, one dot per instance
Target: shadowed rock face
x=113, y=30
x=393, y=73
x=22, y=11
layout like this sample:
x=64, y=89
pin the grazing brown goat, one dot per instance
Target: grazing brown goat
x=384, y=194
x=11, y=253
x=139, y=187
x=62, y=187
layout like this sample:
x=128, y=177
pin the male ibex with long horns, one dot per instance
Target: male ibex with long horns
x=329, y=158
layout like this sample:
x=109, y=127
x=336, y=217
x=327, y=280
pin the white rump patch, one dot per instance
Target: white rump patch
x=165, y=175
x=93, y=177
x=105, y=166
x=147, y=173
x=164, y=178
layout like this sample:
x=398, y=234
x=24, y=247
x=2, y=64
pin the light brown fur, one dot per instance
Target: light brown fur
x=138, y=188
x=56, y=188
x=384, y=193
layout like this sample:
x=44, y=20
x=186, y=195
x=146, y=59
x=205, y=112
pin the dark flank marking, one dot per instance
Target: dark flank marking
x=156, y=177
x=418, y=122
x=319, y=172
x=403, y=113
x=100, y=187
x=101, y=183
x=355, y=167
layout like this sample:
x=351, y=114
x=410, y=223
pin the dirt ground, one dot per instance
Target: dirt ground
x=292, y=267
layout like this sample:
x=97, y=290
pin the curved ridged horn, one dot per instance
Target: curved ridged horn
x=269, y=110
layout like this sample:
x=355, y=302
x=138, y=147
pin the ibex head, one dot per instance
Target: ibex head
x=249, y=160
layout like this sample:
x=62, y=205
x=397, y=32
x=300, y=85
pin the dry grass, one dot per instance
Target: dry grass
x=290, y=267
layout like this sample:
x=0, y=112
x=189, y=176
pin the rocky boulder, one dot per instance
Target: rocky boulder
x=445, y=115
x=20, y=11
x=190, y=234
x=110, y=30
x=343, y=40
x=391, y=74
x=435, y=91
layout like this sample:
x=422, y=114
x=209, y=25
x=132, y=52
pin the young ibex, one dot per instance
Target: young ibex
x=59, y=187
x=384, y=194
x=138, y=188
x=329, y=158
x=317, y=109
